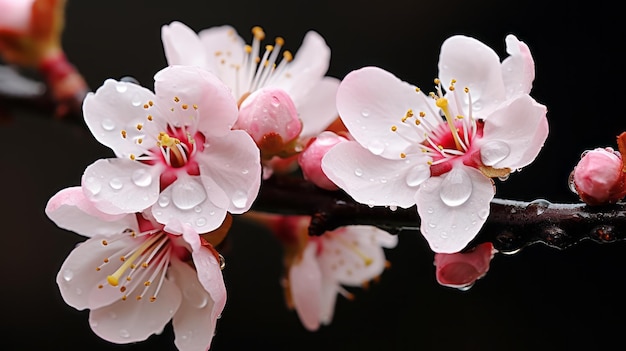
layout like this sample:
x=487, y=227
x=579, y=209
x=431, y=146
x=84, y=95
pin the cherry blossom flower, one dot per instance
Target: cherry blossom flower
x=461, y=269
x=317, y=267
x=250, y=69
x=439, y=152
x=176, y=152
x=599, y=177
x=135, y=275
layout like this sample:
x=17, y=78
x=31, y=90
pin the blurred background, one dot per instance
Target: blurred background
x=539, y=298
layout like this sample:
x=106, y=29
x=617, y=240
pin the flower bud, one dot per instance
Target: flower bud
x=598, y=178
x=270, y=117
x=461, y=270
x=310, y=159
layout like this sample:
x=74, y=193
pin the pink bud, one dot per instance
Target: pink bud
x=270, y=117
x=460, y=270
x=598, y=178
x=310, y=159
x=15, y=14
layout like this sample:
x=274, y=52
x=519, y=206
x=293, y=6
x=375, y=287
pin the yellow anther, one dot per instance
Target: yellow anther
x=144, y=265
x=269, y=47
x=394, y=128
x=176, y=99
x=402, y=155
x=442, y=103
x=195, y=107
x=287, y=56
x=138, y=298
x=105, y=243
x=153, y=298
x=430, y=163
x=466, y=89
x=432, y=95
x=139, y=126
x=150, y=103
x=409, y=113
x=258, y=33
x=439, y=147
x=417, y=90
x=106, y=260
x=248, y=49
x=145, y=106
x=459, y=117
x=124, y=298
x=437, y=81
x=146, y=283
x=97, y=269
x=132, y=157
x=139, y=141
x=123, y=134
x=279, y=41
x=100, y=286
x=257, y=59
x=417, y=122
x=453, y=81
x=422, y=114
x=122, y=289
x=185, y=106
x=451, y=88
x=218, y=53
x=149, y=117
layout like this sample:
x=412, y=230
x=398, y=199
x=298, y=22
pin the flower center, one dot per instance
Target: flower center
x=143, y=261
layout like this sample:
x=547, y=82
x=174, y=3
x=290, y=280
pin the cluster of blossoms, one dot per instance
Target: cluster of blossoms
x=225, y=115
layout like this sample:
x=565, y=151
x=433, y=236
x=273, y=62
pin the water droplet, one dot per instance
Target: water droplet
x=494, y=151
x=93, y=186
x=383, y=180
x=371, y=203
x=365, y=112
x=456, y=188
x=222, y=262
x=197, y=209
x=200, y=222
x=164, y=200
x=465, y=287
x=68, y=274
x=78, y=291
x=240, y=199
x=136, y=100
x=116, y=183
x=432, y=225
x=124, y=333
x=196, y=296
x=444, y=235
x=571, y=183
x=393, y=208
x=211, y=213
x=121, y=87
x=187, y=194
x=503, y=178
x=484, y=213
x=129, y=79
x=358, y=172
x=93, y=324
x=417, y=175
x=376, y=147
x=141, y=178
x=430, y=210
x=275, y=102
x=107, y=124
x=477, y=106
x=540, y=205
x=245, y=171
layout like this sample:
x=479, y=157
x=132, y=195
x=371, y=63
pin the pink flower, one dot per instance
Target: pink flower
x=461, y=269
x=176, y=153
x=136, y=275
x=319, y=266
x=310, y=160
x=15, y=14
x=247, y=69
x=599, y=177
x=406, y=154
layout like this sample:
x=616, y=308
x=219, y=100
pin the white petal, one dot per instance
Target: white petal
x=225, y=50
x=120, y=185
x=371, y=101
x=233, y=163
x=193, y=323
x=186, y=200
x=117, y=108
x=210, y=276
x=182, y=46
x=319, y=110
x=521, y=125
x=71, y=210
x=476, y=66
x=449, y=229
x=371, y=179
x=328, y=298
x=135, y=320
x=518, y=70
x=305, y=279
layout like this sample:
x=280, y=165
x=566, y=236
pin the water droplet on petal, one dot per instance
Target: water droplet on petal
x=141, y=178
x=365, y=112
x=376, y=147
x=121, y=88
x=417, y=175
x=275, y=102
x=68, y=274
x=484, y=213
x=571, y=184
x=358, y=172
x=187, y=194
x=124, y=333
x=136, y=100
x=393, y=208
x=432, y=225
x=430, y=210
x=116, y=183
x=494, y=151
x=164, y=200
x=196, y=296
x=371, y=203
x=456, y=188
x=92, y=185
x=197, y=209
x=107, y=124
x=245, y=171
x=240, y=199
x=200, y=222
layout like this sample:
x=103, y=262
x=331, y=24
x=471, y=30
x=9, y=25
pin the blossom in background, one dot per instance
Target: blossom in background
x=317, y=267
x=599, y=177
x=439, y=151
x=176, y=153
x=283, y=101
x=461, y=269
x=136, y=275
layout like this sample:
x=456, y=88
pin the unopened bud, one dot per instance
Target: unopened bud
x=310, y=159
x=599, y=177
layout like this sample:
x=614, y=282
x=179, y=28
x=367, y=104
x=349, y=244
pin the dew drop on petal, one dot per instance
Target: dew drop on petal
x=571, y=184
x=365, y=112
x=200, y=222
x=240, y=199
x=124, y=333
x=141, y=178
x=136, y=100
x=116, y=183
x=484, y=213
x=245, y=171
x=376, y=147
x=456, y=188
x=107, y=124
x=195, y=296
x=494, y=151
x=275, y=102
x=417, y=175
x=358, y=172
x=187, y=194
x=121, y=88
x=68, y=274
x=197, y=209
x=164, y=200
x=93, y=186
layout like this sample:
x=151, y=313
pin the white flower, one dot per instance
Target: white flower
x=405, y=153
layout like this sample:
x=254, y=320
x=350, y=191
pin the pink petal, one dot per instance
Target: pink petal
x=305, y=279
x=371, y=179
x=328, y=300
x=310, y=160
x=134, y=320
x=116, y=108
x=233, y=163
x=194, y=324
x=461, y=270
x=475, y=65
x=514, y=133
x=120, y=185
x=225, y=48
x=16, y=15
x=371, y=101
x=319, y=109
x=518, y=70
x=182, y=46
x=447, y=228
x=207, y=99
x=69, y=209
x=210, y=277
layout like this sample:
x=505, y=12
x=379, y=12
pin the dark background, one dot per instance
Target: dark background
x=539, y=298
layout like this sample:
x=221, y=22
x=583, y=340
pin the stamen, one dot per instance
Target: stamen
x=113, y=279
